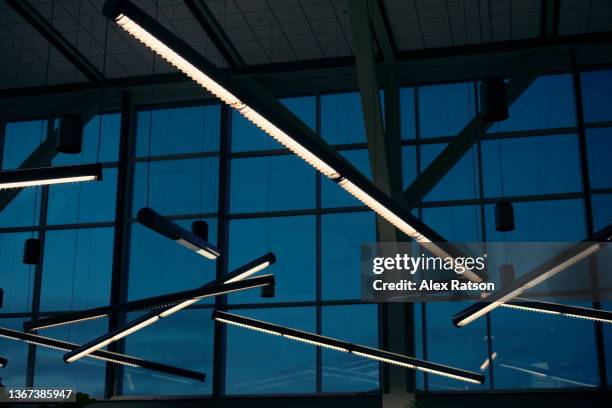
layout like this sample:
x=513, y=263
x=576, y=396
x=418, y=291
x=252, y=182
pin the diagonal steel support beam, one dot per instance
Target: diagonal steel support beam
x=50, y=33
x=45, y=152
x=473, y=131
x=215, y=32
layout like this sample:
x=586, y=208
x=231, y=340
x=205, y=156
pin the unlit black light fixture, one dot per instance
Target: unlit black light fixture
x=504, y=216
x=154, y=302
x=70, y=134
x=31, y=251
x=22, y=178
x=175, y=232
x=3, y=362
x=556, y=264
x=342, y=346
x=200, y=228
x=107, y=356
x=493, y=100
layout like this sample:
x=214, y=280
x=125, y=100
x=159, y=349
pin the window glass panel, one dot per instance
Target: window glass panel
x=599, y=149
x=548, y=164
x=292, y=240
x=409, y=164
x=342, y=118
x=83, y=202
x=597, y=95
x=16, y=278
x=23, y=210
x=547, y=103
x=187, y=186
x=407, y=113
x=185, y=340
x=158, y=265
x=77, y=269
x=341, y=238
x=445, y=109
x=345, y=372
x=455, y=224
x=20, y=140
x=332, y=195
x=178, y=130
x=602, y=210
x=271, y=183
x=305, y=108
x=460, y=182
x=16, y=352
x=108, y=145
x=259, y=363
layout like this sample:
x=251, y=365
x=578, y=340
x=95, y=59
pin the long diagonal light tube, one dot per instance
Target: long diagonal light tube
x=107, y=356
x=577, y=312
x=342, y=346
x=154, y=302
x=556, y=264
x=43, y=176
x=279, y=122
x=155, y=315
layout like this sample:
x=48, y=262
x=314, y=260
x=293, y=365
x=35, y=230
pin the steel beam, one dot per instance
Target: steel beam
x=50, y=33
x=473, y=131
x=215, y=32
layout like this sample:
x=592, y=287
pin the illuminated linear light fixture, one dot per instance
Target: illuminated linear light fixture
x=485, y=364
x=43, y=176
x=3, y=362
x=556, y=264
x=107, y=356
x=175, y=232
x=154, y=302
x=586, y=313
x=342, y=346
x=293, y=135
x=155, y=315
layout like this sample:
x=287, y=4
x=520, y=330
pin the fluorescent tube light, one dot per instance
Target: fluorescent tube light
x=338, y=345
x=175, y=232
x=250, y=102
x=3, y=362
x=586, y=313
x=485, y=364
x=154, y=315
x=107, y=356
x=147, y=303
x=43, y=176
x=556, y=264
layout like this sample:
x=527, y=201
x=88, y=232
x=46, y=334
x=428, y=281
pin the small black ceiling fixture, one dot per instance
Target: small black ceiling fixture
x=493, y=100
x=504, y=216
x=70, y=134
x=31, y=251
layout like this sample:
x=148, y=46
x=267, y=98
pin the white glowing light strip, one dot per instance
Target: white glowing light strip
x=316, y=343
x=553, y=271
x=220, y=92
x=246, y=326
x=487, y=362
x=69, y=322
x=248, y=273
x=45, y=182
x=178, y=307
x=553, y=312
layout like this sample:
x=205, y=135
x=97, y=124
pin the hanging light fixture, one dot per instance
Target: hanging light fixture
x=1, y=297
x=3, y=362
x=200, y=228
x=147, y=303
x=31, y=251
x=247, y=100
x=504, y=216
x=342, y=346
x=586, y=313
x=558, y=263
x=493, y=100
x=175, y=232
x=22, y=178
x=70, y=134
x=107, y=356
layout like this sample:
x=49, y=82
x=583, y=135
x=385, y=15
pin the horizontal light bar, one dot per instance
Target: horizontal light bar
x=153, y=316
x=154, y=302
x=250, y=101
x=3, y=362
x=175, y=232
x=107, y=356
x=586, y=313
x=43, y=176
x=556, y=264
x=338, y=345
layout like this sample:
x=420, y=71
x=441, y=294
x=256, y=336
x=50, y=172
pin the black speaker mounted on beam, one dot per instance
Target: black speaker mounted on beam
x=70, y=137
x=504, y=216
x=493, y=100
x=31, y=251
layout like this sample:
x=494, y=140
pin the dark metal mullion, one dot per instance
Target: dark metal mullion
x=38, y=269
x=588, y=207
x=2, y=140
x=318, y=258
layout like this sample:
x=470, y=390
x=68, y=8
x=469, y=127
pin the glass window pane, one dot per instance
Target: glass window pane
x=455, y=224
x=108, y=145
x=341, y=238
x=304, y=107
x=336, y=109
x=461, y=182
x=292, y=240
x=344, y=372
x=599, y=147
x=185, y=340
x=77, y=269
x=16, y=278
x=271, y=183
x=16, y=352
x=547, y=103
x=597, y=95
x=23, y=210
x=176, y=187
x=20, y=140
x=178, y=130
x=407, y=113
x=83, y=202
x=409, y=164
x=332, y=195
x=259, y=363
x=548, y=164
x=602, y=210
x=445, y=109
